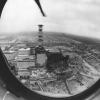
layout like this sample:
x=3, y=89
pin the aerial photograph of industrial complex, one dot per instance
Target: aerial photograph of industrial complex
x=52, y=64
x=49, y=49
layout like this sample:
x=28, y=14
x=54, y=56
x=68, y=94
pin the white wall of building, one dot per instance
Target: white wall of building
x=23, y=51
x=25, y=64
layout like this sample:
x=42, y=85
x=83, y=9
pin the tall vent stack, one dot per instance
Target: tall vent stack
x=40, y=35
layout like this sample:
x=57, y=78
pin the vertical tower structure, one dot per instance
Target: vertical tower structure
x=40, y=54
x=40, y=35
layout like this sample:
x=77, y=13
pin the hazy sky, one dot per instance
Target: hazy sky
x=81, y=17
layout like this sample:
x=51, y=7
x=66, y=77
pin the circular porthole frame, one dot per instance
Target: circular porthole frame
x=17, y=88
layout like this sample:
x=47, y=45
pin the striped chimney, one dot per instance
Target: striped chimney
x=40, y=35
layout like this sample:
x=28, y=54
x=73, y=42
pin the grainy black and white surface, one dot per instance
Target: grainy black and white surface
x=60, y=65
x=67, y=66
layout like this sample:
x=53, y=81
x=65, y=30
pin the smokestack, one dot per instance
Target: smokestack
x=40, y=35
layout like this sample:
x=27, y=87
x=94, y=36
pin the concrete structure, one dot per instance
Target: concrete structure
x=24, y=64
x=32, y=51
x=24, y=57
x=23, y=73
x=41, y=59
x=10, y=55
x=24, y=51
